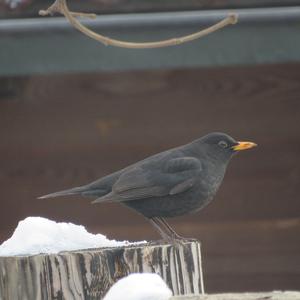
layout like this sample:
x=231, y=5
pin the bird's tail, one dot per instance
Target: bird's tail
x=85, y=191
x=73, y=191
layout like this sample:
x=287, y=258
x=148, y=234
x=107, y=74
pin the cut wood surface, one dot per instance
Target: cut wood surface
x=88, y=274
x=277, y=295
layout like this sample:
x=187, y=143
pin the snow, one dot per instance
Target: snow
x=145, y=286
x=35, y=235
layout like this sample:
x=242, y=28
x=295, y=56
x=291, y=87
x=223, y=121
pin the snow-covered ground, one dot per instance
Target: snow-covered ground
x=136, y=286
x=35, y=235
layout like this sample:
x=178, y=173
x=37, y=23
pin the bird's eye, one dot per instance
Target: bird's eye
x=223, y=144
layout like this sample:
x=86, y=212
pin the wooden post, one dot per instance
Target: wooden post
x=277, y=295
x=88, y=274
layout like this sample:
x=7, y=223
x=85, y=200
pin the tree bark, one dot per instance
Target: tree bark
x=88, y=274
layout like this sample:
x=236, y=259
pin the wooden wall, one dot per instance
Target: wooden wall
x=62, y=131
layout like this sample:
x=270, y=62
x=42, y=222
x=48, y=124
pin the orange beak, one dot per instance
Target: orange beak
x=243, y=146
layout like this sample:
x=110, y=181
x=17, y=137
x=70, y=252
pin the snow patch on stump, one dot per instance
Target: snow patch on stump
x=35, y=235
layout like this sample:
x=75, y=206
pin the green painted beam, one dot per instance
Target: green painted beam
x=51, y=45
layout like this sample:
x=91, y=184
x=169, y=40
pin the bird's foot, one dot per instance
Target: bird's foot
x=179, y=240
x=183, y=239
x=189, y=240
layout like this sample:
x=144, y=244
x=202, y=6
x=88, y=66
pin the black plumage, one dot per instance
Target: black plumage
x=175, y=182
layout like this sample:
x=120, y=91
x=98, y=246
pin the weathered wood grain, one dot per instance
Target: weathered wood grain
x=88, y=274
x=277, y=295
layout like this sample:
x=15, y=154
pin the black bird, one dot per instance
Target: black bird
x=172, y=183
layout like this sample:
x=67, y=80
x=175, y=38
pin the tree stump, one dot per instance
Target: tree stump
x=88, y=274
x=276, y=295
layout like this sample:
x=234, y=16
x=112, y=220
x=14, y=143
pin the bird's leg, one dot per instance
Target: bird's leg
x=157, y=226
x=168, y=227
x=173, y=233
x=166, y=231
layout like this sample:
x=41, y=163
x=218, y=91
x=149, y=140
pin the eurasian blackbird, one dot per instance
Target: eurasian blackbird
x=172, y=183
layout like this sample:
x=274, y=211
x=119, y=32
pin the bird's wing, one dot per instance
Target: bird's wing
x=173, y=177
x=182, y=164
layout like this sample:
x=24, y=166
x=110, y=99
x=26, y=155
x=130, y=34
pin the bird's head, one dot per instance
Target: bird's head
x=223, y=146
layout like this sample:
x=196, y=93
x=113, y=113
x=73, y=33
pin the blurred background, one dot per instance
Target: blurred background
x=72, y=110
